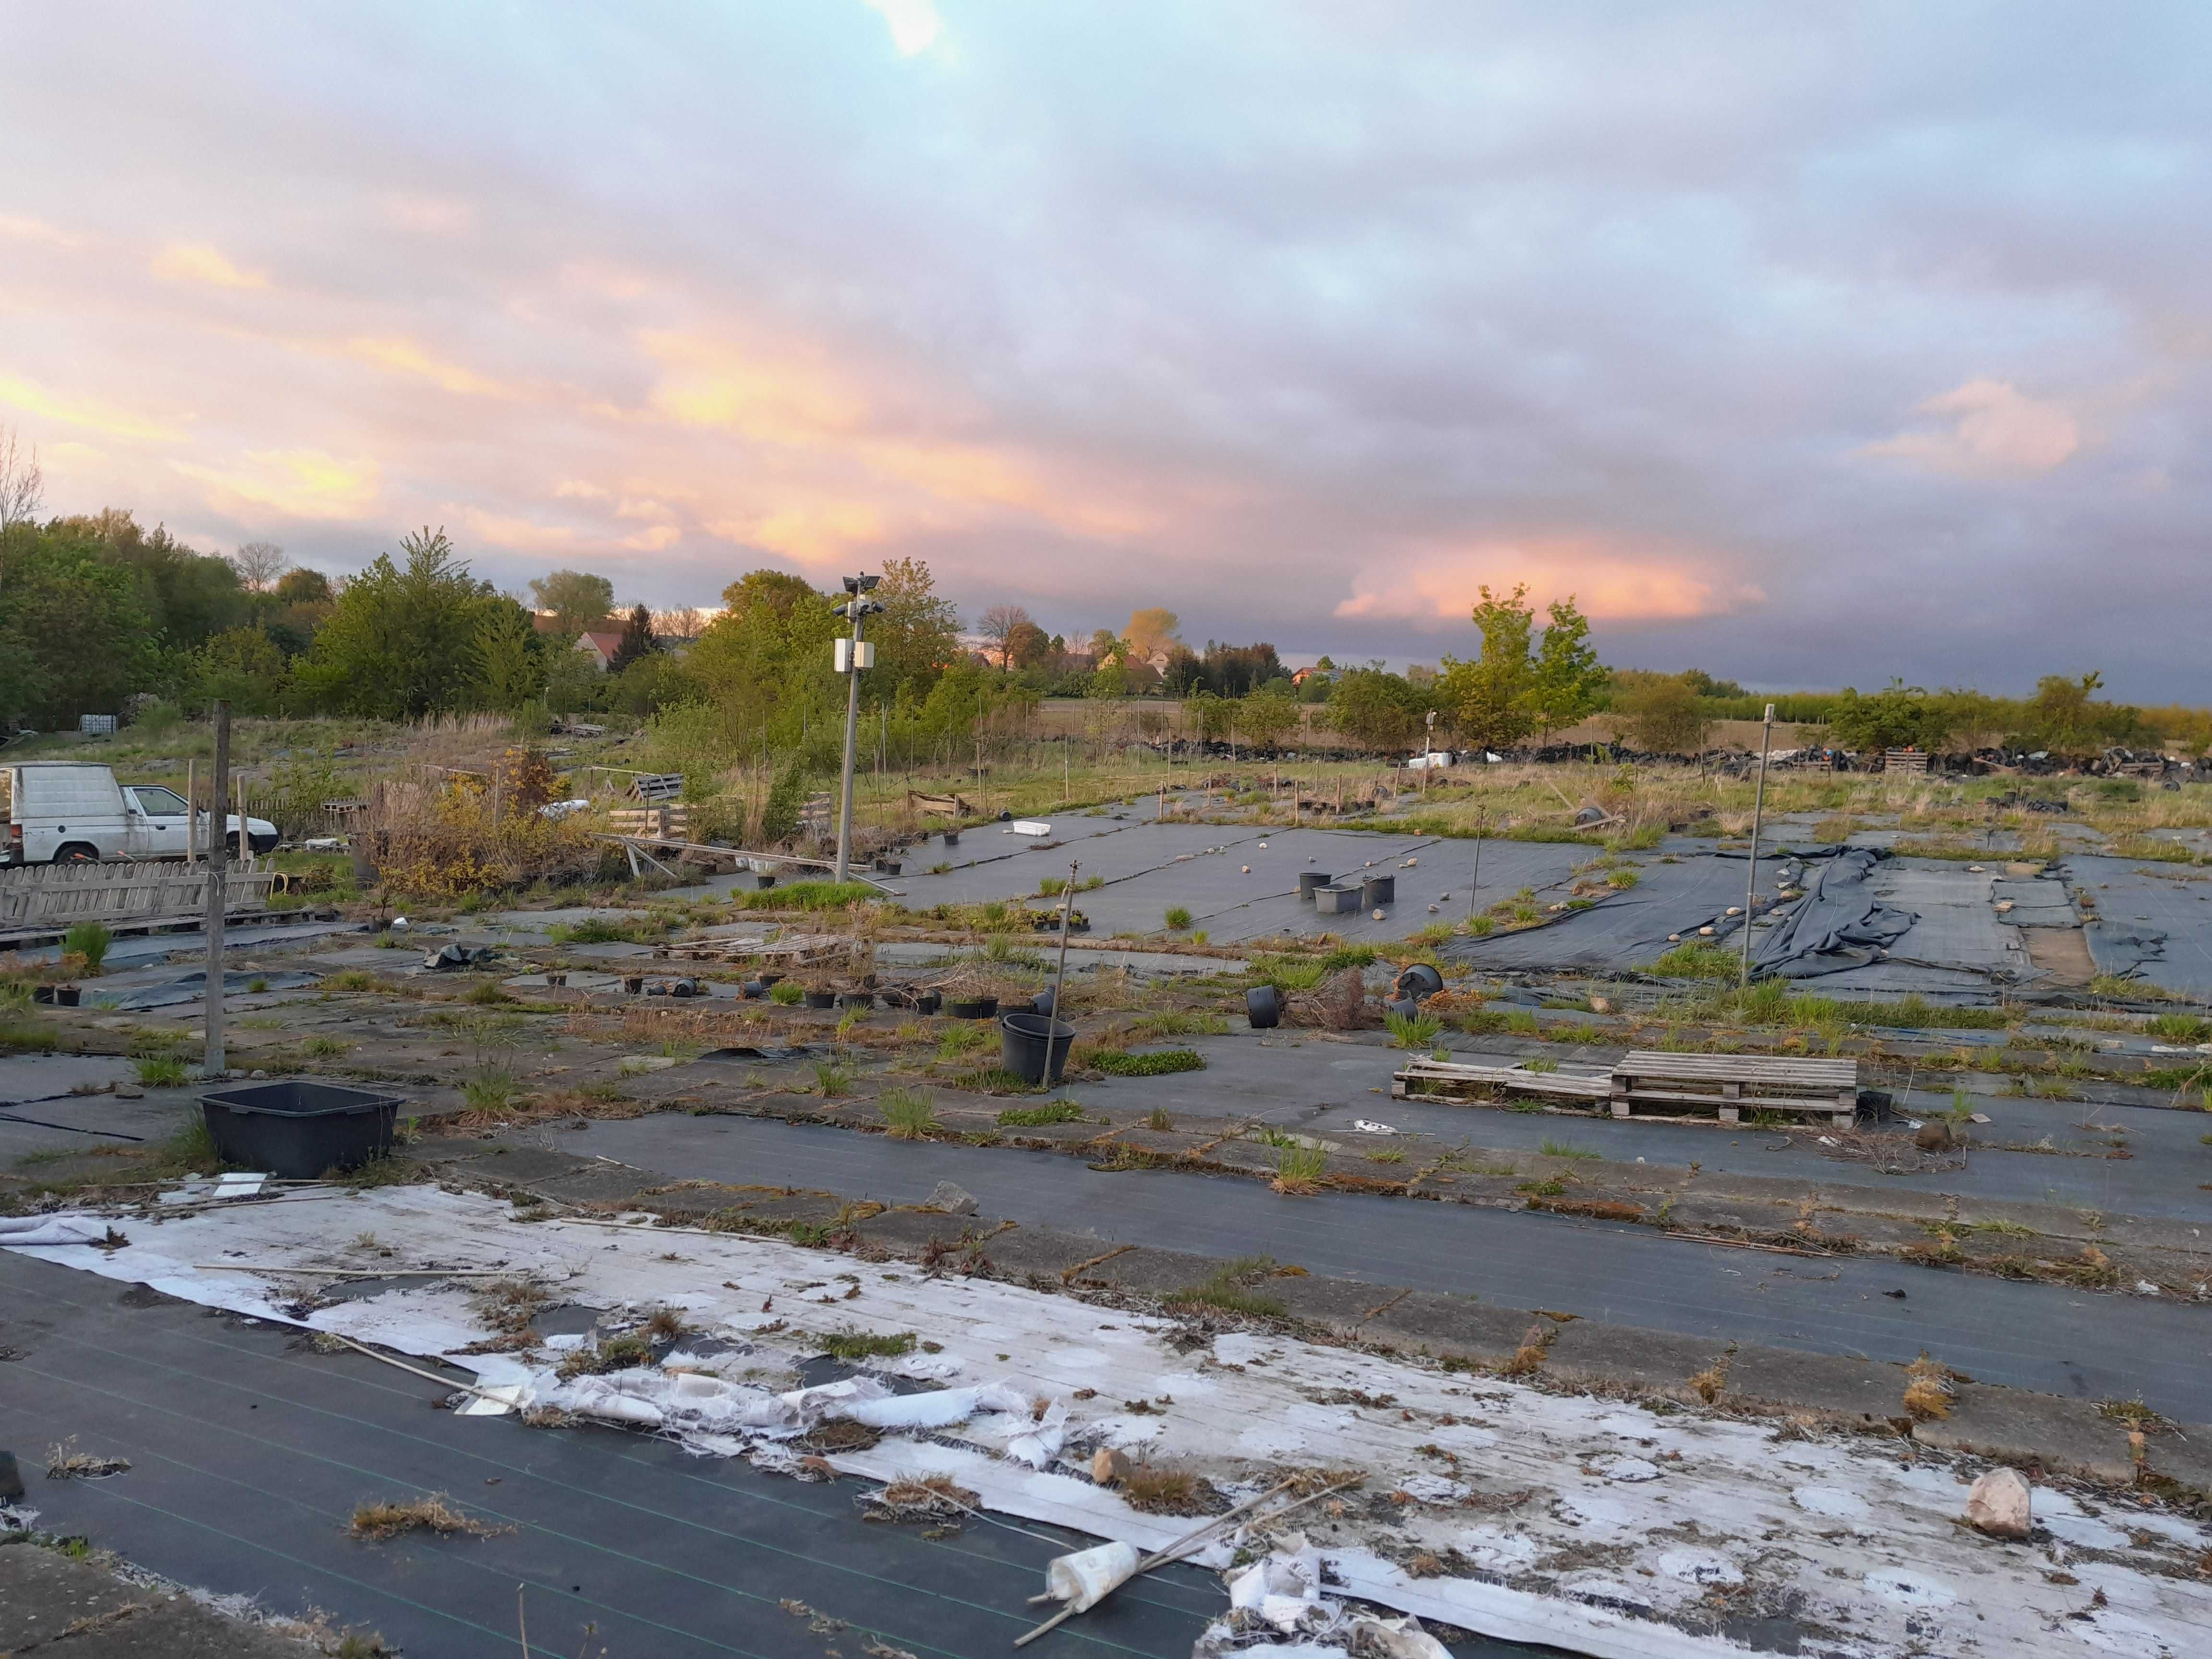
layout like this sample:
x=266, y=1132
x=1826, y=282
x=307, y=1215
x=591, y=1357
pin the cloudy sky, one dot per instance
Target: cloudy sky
x=1811, y=345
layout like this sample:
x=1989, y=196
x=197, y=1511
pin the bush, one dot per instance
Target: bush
x=90, y=940
x=787, y=993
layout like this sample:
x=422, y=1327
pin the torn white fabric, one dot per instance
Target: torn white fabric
x=48, y=1230
x=1592, y=1525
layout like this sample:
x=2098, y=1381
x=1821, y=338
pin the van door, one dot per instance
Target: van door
x=158, y=821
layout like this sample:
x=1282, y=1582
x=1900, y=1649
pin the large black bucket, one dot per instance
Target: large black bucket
x=1310, y=881
x=297, y=1129
x=1023, y=1040
x=1378, y=890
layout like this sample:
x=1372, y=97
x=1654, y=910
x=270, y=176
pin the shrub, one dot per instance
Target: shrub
x=90, y=940
x=787, y=993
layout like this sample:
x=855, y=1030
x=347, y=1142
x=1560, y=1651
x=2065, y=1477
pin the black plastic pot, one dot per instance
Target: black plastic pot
x=822, y=998
x=1419, y=980
x=1310, y=881
x=856, y=998
x=297, y=1129
x=1378, y=890
x=767, y=978
x=1336, y=901
x=1034, y=1047
x=61, y=996
x=752, y=990
x=928, y=1002
x=1043, y=1002
x=1263, y=1007
x=634, y=984
x=1405, y=1006
x=952, y=838
x=972, y=1007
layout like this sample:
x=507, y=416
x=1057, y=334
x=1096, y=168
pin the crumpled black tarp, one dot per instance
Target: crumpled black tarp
x=1840, y=924
x=192, y=987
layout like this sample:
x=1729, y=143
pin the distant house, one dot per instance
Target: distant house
x=1300, y=675
x=600, y=643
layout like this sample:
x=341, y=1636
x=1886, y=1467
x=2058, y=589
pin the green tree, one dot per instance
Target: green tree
x=1375, y=708
x=1266, y=714
x=1566, y=678
x=917, y=637
x=245, y=667
x=1490, y=698
x=1208, y=718
x=1899, y=716
x=403, y=640
x=637, y=640
x=76, y=634
x=780, y=814
x=300, y=586
x=510, y=660
x=1658, y=714
x=578, y=599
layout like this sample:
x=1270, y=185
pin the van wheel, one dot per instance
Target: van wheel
x=77, y=853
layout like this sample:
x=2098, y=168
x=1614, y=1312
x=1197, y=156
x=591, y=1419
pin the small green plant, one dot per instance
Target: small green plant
x=1413, y=1031
x=1552, y=1148
x=1159, y=1119
x=1550, y=1189
x=908, y=1114
x=1482, y=927
x=1177, y=1023
x=325, y=1047
x=256, y=983
x=832, y=1078
x=160, y=1072
x=491, y=1089
x=1299, y=1168
x=1690, y=960
x=352, y=978
x=1522, y=1021
x=810, y=895
x=1232, y=1289
x=1036, y=1117
x=850, y=1346
x=1201, y=937
x=1152, y=1065
x=1621, y=880
x=963, y=1038
x=786, y=993
x=2179, y=1028
x=90, y=940
x=1178, y=916
x=1541, y=1063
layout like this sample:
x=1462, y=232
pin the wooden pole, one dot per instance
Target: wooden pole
x=192, y=814
x=213, y=1061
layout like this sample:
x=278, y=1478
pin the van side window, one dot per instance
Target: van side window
x=157, y=802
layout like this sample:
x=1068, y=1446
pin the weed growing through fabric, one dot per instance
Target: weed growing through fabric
x=381, y=1521
x=1152, y=1065
x=1231, y=1288
x=850, y=1345
x=1299, y=1170
x=1159, y=1119
x=160, y=1072
x=1552, y=1148
x=832, y=1078
x=963, y=1037
x=908, y=1114
x=1037, y=1117
x=90, y=940
x=1178, y=916
x=786, y=993
x=1413, y=1031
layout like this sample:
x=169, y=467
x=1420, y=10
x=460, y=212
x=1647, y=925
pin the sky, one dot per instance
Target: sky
x=1811, y=346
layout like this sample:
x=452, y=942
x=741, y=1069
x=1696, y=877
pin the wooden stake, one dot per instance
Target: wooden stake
x=213, y=1061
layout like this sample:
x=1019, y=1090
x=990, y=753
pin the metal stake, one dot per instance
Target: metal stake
x=213, y=1061
x=1758, y=811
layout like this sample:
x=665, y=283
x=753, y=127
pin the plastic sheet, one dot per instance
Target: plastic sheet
x=1841, y=923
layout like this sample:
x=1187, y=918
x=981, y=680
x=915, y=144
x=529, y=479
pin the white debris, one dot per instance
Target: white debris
x=1367, y=1128
x=41, y=1231
x=1082, y=1578
x=1833, y=1532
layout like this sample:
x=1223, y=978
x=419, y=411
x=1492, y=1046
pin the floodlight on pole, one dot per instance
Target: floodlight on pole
x=849, y=657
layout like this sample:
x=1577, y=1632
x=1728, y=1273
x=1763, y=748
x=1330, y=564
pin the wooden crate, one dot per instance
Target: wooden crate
x=1457, y=1080
x=1724, y=1085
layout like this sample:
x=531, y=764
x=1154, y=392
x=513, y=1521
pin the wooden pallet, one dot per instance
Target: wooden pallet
x=671, y=822
x=1455, y=1080
x=1905, y=760
x=942, y=806
x=1726, y=1085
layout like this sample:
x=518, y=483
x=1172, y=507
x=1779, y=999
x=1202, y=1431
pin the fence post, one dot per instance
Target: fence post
x=213, y=1061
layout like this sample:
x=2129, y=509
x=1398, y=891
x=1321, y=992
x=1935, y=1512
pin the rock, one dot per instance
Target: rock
x=1601, y=1004
x=1998, y=1505
x=1934, y=1135
x=1108, y=1467
x=129, y=1092
x=953, y=1201
x=257, y=1072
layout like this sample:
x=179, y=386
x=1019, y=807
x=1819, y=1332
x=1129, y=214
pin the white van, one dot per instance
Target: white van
x=62, y=813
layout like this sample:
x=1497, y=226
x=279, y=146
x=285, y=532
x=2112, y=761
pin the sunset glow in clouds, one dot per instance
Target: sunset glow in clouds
x=1736, y=325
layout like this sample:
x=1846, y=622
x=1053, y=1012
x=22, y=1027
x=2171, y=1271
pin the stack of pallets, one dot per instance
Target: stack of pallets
x=1722, y=1087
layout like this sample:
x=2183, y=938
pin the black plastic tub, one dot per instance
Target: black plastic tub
x=856, y=998
x=1309, y=882
x=1336, y=901
x=822, y=998
x=928, y=1002
x=1034, y=1047
x=972, y=1007
x=297, y=1129
x=1378, y=890
x=1419, y=980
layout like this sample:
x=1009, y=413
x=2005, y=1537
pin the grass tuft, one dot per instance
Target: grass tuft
x=908, y=1114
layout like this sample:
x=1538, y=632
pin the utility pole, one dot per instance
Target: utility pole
x=213, y=1061
x=1758, y=811
x=1428, y=753
x=851, y=657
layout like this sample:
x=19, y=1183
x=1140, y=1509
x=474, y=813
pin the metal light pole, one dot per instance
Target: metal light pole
x=852, y=656
x=1428, y=753
x=1758, y=813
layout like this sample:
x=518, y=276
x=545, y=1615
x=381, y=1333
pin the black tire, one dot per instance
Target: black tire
x=1263, y=1006
x=76, y=851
